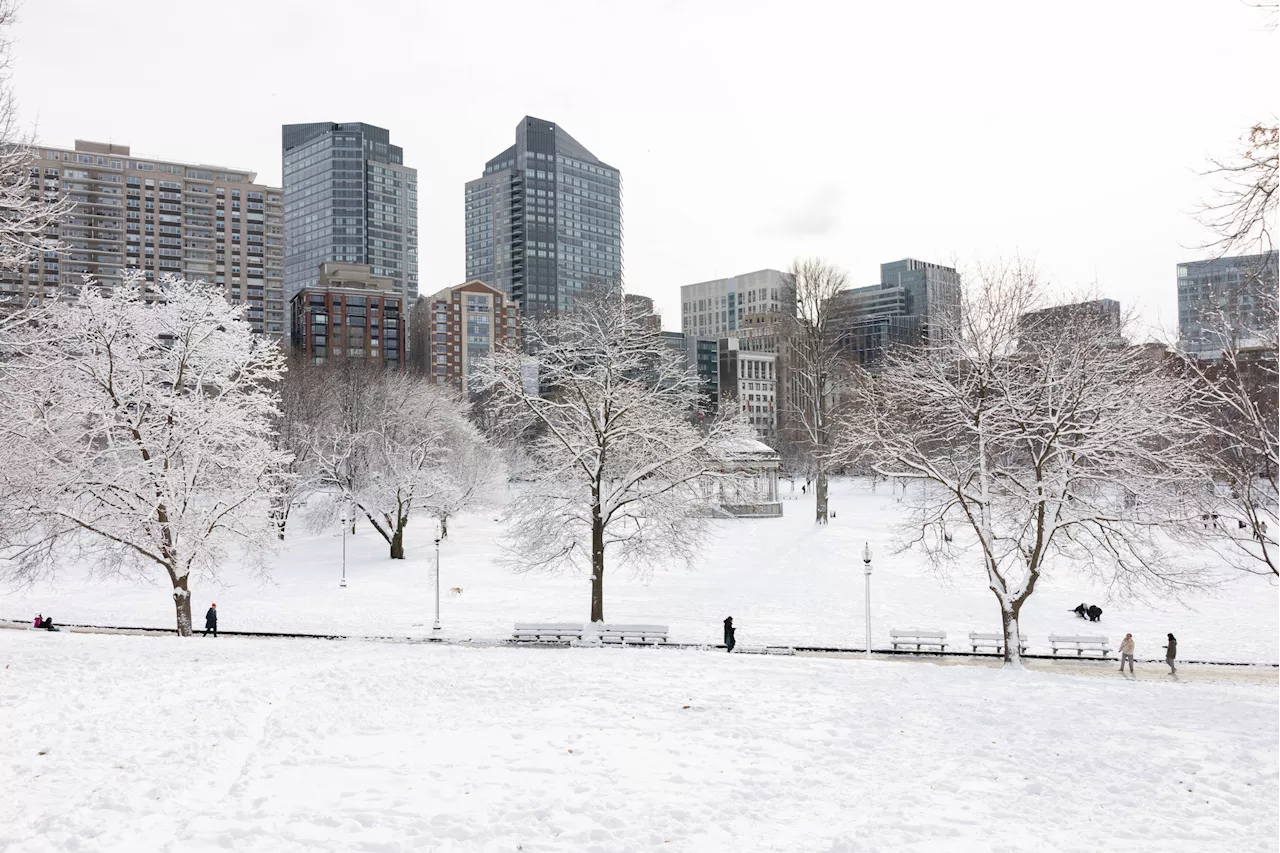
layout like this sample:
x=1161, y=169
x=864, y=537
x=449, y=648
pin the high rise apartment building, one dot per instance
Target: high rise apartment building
x=740, y=306
x=1233, y=297
x=349, y=314
x=348, y=197
x=161, y=217
x=544, y=221
x=454, y=330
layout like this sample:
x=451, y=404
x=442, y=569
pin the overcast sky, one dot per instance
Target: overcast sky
x=747, y=133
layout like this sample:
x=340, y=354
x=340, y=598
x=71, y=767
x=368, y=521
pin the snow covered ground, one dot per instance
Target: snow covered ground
x=128, y=743
x=783, y=580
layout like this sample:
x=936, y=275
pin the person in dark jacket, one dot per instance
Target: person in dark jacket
x=1171, y=652
x=48, y=625
x=211, y=620
x=1081, y=611
x=728, y=634
x=1095, y=613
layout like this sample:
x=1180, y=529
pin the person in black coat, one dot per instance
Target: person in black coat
x=728, y=634
x=1081, y=611
x=1095, y=613
x=211, y=620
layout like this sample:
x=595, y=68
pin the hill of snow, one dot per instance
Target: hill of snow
x=783, y=580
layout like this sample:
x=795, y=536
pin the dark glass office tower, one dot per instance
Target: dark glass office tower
x=348, y=197
x=544, y=220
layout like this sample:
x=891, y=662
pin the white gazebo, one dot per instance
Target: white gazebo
x=749, y=487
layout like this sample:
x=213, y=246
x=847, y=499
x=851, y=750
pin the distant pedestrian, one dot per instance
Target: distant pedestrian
x=48, y=625
x=804, y=490
x=1171, y=652
x=1095, y=613
x=1126, y=652
x=1081, y=610
x=729, y=641
x=211, y=620
x=39, y=619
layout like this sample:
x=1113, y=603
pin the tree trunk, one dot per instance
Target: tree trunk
x=181, y=604
x=397, y=540
x=597, y=565
x=820, y=489
x=1012, y=643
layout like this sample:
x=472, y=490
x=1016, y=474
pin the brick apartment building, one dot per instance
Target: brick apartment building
x=455, y=328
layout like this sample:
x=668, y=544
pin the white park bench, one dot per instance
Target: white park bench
x=633, y=635
x=917, y=637
x=554, y=632
x=763, y=650
x=994, y=641
x=1079, y=644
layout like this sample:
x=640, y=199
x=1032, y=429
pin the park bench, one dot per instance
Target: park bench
x=994, y=641
x=918, y=638
x=1079, y=644
x=633, y=635
x=763, y=650
x=554, y=632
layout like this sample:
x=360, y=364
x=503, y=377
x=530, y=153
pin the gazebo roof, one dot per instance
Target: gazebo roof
x=743, y=449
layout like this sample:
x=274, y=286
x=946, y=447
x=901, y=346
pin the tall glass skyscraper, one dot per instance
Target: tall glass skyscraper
x=544, y=220
x=348, y=197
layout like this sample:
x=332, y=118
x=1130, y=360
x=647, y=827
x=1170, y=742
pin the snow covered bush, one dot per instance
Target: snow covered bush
x=620, y=465
x=1036, y=441
x=139, y=434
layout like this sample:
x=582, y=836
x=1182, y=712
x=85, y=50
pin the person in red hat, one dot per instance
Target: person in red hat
x=211, y=620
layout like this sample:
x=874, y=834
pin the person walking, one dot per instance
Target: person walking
x=1126, y=652
x=729, y=641
x=211, y=620
x=1171, y=652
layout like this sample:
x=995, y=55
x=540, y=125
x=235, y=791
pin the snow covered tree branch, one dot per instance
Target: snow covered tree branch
x=140, y=426
x=1034, y=444
x=621, y=468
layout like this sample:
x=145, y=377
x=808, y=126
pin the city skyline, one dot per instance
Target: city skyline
x=1056, y=161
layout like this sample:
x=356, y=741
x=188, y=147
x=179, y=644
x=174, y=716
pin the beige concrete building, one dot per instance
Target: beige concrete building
x=350, y=314
x=458, y=326
x=160, y=216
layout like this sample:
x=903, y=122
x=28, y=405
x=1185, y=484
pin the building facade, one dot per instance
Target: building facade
x=1105, y=313
x=163, y=217
x=749, y=379
x=743, y=305
x=457, y=327
x=352, y=314
x=914, y=302
x=1234, y=296
x=348, y=197
x=544, y=220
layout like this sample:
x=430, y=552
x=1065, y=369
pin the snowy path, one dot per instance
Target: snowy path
x=155, y=743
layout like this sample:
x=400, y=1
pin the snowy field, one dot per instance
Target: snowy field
x=127, y=743
x=783, y=580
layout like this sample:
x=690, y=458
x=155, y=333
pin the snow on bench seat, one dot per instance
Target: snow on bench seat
x=633, y=635
x=547, y=632
x=994, y=641
x=918, y=637
x=763, y=650
x=1079, y=644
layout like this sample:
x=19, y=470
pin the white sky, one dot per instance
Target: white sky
x=747, y=133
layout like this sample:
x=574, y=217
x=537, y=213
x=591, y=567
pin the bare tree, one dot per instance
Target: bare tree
x=1243, y=211
x=814, y=367
x=620, y=463
x=29, y=215
x=1237, y=415
x=1032, y=443
x=139, y=434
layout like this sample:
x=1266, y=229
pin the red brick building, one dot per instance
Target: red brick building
x=350, y=314
x=455, y=328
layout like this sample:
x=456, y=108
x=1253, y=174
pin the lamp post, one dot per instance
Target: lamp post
x=866, y=570
x=346, y=512
x=436, y=625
